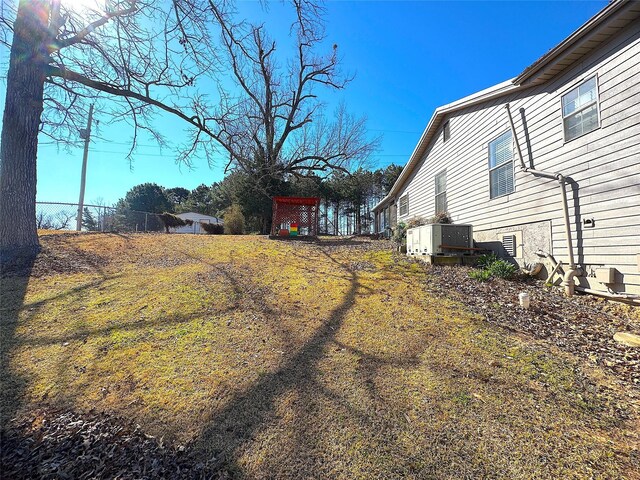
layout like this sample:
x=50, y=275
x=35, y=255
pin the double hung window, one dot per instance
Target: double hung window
x=501, y=165
x=441, y=192
x=404, y=205
x=580, y=109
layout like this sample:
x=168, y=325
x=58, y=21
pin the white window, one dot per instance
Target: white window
x=501, y=165
x=441, y=192
x=446, y=131
x=580, y=109
x=404, y=205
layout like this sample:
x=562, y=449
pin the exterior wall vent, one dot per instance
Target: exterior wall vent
x=509, y=244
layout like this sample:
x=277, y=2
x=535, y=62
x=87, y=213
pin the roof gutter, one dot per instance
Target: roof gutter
x=491, y=93
x=570, y=41
x=524, y=80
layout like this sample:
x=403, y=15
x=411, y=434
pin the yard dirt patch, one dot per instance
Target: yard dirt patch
x=249, y=358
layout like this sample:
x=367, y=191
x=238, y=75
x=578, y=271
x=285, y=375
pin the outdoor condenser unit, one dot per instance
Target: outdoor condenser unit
x=433, y=239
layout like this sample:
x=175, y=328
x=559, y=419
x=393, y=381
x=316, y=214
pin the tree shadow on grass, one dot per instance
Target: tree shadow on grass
x=14, y=310
x=13, y=289
x=231, y=429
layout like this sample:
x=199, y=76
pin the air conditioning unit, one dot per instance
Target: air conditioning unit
x=439, y=238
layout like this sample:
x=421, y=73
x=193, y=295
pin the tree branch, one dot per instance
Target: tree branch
x=60, y=44
x=66, y=74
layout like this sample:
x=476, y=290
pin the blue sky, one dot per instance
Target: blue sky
x=407, y=57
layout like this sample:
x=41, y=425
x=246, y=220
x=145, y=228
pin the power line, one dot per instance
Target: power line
x=392, y=131
x=166, y=155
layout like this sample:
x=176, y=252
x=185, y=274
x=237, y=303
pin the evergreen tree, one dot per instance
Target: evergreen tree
x=89, y=223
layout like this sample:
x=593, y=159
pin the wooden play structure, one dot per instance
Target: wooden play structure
x=295, y=217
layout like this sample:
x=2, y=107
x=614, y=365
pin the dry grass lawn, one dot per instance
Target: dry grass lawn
x=292, y=360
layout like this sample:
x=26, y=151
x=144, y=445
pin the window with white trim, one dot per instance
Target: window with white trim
x=501, y=165
x=404, y=205
x=446, y=131
x=441, y=192
x=580, y=109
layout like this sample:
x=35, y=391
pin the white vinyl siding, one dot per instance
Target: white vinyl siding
x=604, y=164
x=501, y=165
x=441, y=192
x=580, y=109
x=404, y=206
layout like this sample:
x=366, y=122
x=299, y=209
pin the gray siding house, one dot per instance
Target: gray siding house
x=505, y=158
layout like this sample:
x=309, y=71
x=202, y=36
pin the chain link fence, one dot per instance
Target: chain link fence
x=94, y=218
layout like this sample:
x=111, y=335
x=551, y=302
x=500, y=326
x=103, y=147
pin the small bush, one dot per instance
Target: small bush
x=486, y=260
x=233, y=220
x=480, y=275
x=441, y=217
x=502, y=269
x=417, y=222
x=213, y=228
x=400, y=233
x=491, y=266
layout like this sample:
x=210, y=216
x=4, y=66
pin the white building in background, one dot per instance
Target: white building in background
x=197, y=219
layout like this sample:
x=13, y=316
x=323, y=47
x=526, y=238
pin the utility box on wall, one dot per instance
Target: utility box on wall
x=606, y=275
x=433, y=239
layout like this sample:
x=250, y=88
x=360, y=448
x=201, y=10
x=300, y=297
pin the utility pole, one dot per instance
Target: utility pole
x=86, y=135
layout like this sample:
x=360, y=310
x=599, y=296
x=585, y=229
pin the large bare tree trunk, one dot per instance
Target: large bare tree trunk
x=23, y=108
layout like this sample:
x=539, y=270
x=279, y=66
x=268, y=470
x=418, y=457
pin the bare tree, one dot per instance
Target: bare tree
x=63, y=220
x=142, y=54
x=60, y=221
x=44, y=221
x=271, y=122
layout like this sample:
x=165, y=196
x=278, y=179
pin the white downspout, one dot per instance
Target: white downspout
x=568, y=281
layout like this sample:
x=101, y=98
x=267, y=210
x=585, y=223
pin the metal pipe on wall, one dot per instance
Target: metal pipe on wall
x=626, y=297
x=568, y=280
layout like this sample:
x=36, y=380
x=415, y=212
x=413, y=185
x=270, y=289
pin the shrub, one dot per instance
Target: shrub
x=486, y=260
x=172, y=221
x=233, y=220
x=491, y=266
x=441, y=217
x=502, y=269
x=213, y=228
x=417, y=222
x=480, y=275
x=400, y=232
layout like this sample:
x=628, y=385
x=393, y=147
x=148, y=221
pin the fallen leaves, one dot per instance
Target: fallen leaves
x=65, y=445
x=583, y=325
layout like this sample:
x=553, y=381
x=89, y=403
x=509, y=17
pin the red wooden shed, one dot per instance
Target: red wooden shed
x=301, y=211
